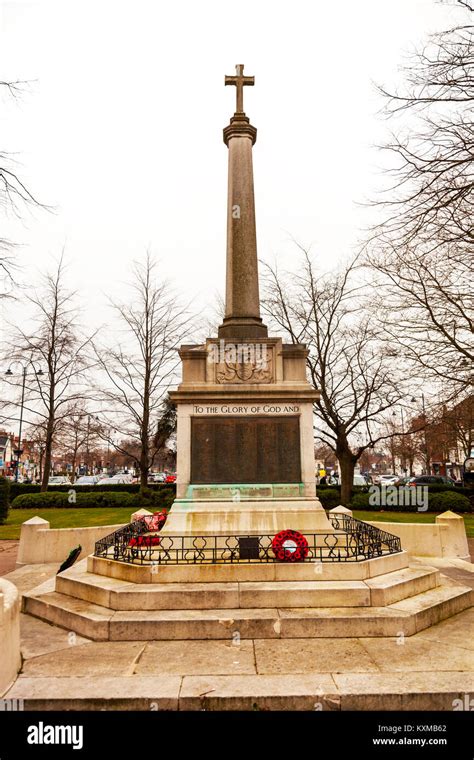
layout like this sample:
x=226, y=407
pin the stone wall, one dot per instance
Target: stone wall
x=10, y=660
x=41, y=544
x=445, y=538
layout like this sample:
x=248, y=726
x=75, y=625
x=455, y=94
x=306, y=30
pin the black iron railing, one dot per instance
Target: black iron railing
x=352, y=541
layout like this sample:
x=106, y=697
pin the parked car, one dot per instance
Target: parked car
x=115, y=480
x=87, y=480
x=429, y=480
x=360, y=480
x=389, y=480
x=159, y=477
x=59, y=480
x=170, y=479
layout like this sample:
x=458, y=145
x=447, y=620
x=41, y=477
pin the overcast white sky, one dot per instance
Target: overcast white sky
x=122, y=129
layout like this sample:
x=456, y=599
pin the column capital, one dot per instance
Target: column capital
x=240, y=127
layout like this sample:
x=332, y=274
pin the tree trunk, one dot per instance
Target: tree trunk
x=47, y=453
x=145, y=431
x=347, y=462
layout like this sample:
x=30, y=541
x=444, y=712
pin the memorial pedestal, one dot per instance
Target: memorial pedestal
x=245, y=441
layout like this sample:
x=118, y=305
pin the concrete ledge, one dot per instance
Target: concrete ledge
x=10, y=659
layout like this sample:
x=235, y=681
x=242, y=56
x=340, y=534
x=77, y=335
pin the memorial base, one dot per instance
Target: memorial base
x=236, y=509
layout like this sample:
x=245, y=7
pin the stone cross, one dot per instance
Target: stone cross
x=240, y=81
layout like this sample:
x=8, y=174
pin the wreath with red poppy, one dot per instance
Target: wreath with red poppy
x=290, y=546
x=144, y=541
x=153, y=522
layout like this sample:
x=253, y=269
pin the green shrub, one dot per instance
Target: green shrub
x=154, y=500
x=60, y=500
x=4, y=499
x=361, y=501
x=442, y=487
x=437, y=502
x=440, y=502
x=18, y=489
x=329, y=497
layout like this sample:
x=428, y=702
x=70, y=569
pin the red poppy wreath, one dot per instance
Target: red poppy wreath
x=290, y=546
x=144, y=541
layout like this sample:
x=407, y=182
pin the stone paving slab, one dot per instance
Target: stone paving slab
x=28, y=577
x=411, y=654
x=197, y=658
x=403, y=691
x=312, y=656
x=97, y=693
x=272, y=692
x=39, y=637
x=8, y=554
x=457, y=630
x=109, y=658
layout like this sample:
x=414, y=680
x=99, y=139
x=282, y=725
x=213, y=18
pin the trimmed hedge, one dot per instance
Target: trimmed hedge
x=18, y=489
x=442, y=487
x=62, y=500
x=437, y=502
x=4, y=499
x=329, y=497
x=440, y=502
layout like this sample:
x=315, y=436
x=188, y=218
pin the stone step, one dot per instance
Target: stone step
x=393, y=587
x=315, y=691
x=101, y=623
x=437, y=604
x=85, y=618
x=120, y=595
x=242, y=571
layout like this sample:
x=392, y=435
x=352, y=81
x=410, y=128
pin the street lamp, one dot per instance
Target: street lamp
x=39, y=373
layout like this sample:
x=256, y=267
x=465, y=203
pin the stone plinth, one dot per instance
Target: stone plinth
x=253, y=517
x=245, y=426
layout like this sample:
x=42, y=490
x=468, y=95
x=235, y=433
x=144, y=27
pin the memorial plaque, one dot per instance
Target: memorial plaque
x=245, y=450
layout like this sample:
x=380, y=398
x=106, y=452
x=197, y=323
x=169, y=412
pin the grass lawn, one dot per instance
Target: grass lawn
x=410, y=517
x=81, y=518
x=65, y=518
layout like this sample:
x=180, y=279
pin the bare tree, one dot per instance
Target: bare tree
x=459, y=421
x=77, y=433
x=355, y=375
x=137, y=374
x=14, y=197
x=423, y=248
x=56, y=347
x=427, y=307
x=36, y=437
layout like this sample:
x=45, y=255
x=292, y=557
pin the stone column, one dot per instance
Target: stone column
x=242, y=315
